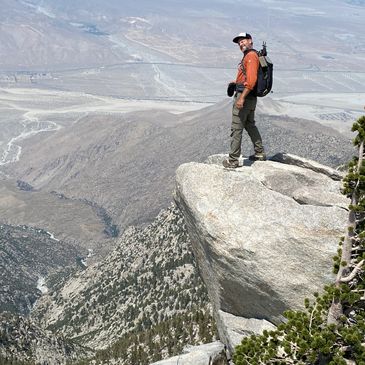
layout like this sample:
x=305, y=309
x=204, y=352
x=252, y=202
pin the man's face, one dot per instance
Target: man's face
x=244, y=43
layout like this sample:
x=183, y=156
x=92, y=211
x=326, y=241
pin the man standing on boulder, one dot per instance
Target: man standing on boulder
x=244, y=105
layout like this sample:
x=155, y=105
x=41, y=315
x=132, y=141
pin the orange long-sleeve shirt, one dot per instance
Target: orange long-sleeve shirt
x=251, y=65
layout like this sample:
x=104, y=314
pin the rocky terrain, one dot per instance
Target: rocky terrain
x=211, y=353
x=148, y=287
x=23, y=342
x=105, y=171
x=75, y=222
x=28, y=256
x=263, y=235
x=148, y=282
x=120, y=171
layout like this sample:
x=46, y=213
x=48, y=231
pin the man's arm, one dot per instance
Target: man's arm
x=241, y=99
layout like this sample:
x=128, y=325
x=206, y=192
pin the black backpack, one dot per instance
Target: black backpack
x=264, y=73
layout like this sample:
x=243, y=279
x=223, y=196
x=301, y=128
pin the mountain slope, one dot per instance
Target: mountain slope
x=149, y=278
x=126, y=163
x=22, y=340
x=77, y=223
x=28, y=255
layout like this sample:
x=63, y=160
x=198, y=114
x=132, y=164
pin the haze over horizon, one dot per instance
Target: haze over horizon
x=180, y=51
x=45, y=33
x=48, y=35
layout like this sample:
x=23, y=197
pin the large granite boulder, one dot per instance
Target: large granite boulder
x=263, y=234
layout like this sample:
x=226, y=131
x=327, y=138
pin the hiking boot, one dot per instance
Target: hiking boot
x=230, y=164
x=258, y=157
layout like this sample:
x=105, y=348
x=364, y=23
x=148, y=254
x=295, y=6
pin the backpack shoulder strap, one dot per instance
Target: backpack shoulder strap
x=244, y=55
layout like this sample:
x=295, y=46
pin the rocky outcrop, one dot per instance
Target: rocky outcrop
x=233, y=328
x=211, y=353
x=263, y=235
x=290, y=159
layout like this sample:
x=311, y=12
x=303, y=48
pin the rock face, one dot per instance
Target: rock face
x=263, y=234
x=233, y=328
x=211, y=353
x=308, y=164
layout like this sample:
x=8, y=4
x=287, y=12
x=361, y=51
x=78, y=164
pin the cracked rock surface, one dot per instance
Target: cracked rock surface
x=263, y=234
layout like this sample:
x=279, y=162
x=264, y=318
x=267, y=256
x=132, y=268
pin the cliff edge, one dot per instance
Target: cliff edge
x=263, y=235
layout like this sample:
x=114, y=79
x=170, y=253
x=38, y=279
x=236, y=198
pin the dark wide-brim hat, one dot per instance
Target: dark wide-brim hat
x=241, y=36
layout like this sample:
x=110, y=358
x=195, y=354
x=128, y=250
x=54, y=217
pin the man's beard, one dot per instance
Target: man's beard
x=246, y=48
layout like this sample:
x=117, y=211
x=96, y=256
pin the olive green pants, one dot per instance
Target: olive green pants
x=244, y=119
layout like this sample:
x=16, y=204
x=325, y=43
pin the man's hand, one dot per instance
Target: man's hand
x=240, y=101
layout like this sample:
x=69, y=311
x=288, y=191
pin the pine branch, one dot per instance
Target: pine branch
x=354, y=272
x=358, y=221
x=311, y=319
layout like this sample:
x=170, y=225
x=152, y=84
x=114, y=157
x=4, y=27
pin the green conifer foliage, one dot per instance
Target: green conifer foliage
x=331, y=329
x=165, y=339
